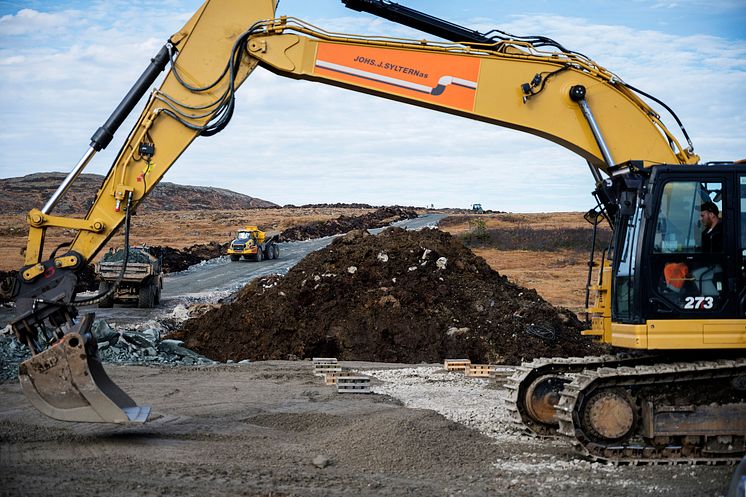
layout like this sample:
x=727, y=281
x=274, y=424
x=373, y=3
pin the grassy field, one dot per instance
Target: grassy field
x=545, y=251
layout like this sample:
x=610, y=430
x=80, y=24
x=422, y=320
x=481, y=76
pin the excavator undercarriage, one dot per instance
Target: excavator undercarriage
x=636, y=409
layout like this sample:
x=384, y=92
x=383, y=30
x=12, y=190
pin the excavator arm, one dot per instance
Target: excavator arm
x=508, y=83
x=516, y=83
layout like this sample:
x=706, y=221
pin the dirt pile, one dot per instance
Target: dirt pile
x=343, y=224
x=174, y=260
x=401, y=296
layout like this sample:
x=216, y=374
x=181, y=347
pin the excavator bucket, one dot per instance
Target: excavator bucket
x=67, y=383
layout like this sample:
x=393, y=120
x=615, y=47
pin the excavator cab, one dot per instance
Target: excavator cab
x=674, y=268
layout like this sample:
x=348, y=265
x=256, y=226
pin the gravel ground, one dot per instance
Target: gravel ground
x=548, y=464
x=273, y=428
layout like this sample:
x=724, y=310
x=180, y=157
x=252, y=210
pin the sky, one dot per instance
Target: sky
x=65, y=65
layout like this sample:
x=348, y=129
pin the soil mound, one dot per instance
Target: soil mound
x=174, y=260
x=343, y=224
x=401, y=296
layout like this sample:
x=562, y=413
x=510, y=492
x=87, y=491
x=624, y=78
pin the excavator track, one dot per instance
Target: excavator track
x=683, y=412
x=558, y=371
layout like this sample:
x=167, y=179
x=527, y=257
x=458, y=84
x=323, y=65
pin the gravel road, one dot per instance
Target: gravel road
x=218, y=278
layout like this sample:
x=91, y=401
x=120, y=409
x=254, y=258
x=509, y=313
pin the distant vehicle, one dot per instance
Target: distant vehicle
x=477, y=209
x=253, y=244
x=141, y=282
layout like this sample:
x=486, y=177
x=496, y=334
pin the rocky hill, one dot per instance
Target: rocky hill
x=21, y=194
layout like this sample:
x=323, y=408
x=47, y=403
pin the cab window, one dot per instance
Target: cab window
x=688, y=257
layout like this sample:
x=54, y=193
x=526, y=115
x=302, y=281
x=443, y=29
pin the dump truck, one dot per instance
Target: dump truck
x=140, y=283
x=253, y=244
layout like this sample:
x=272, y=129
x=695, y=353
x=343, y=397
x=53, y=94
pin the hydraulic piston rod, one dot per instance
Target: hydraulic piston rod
x=103, y=135
x=577, y=94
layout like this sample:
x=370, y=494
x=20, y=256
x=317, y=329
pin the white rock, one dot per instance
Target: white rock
x=441, y=263
x=352, y=269
x=180, y=313
x=321, y=461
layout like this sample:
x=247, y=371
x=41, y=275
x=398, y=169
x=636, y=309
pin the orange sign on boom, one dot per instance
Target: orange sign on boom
x=447, y=80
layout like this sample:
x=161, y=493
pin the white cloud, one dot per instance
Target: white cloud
x=30, y=22
x=299, y=142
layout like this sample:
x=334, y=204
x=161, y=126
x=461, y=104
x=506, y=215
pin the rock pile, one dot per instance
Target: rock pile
x=141, y=344
x=401, y=296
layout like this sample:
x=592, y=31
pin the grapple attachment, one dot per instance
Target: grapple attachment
x=68, y=382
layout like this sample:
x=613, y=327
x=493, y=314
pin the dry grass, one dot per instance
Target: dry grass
x=541, y=220
x=559, y=275
x=176, y=229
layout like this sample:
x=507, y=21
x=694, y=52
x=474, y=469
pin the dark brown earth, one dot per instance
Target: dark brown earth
x=180, y=259
x=376, y=219
x=400, y=296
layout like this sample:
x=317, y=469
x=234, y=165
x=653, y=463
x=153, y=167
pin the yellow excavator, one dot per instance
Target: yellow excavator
x=670, y=290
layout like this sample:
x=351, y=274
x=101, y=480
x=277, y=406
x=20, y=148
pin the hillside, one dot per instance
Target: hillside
x=33, y=190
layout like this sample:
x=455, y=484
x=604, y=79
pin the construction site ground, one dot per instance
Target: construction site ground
x=272, y=428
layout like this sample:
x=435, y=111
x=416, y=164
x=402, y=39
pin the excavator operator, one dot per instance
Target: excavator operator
x=712, y=236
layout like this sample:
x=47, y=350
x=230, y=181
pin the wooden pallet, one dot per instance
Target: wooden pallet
x=323, y=369
x=353, y=384
x=479, y=370
x=324, y=360
x=456, y=364
x=330, y=377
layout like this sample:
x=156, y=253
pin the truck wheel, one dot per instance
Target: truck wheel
x=269, y=254
x=106, y=302
x=235, y=257
x=259, y=255
x=146, y=296
x=157, y=288
x=276, y=251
